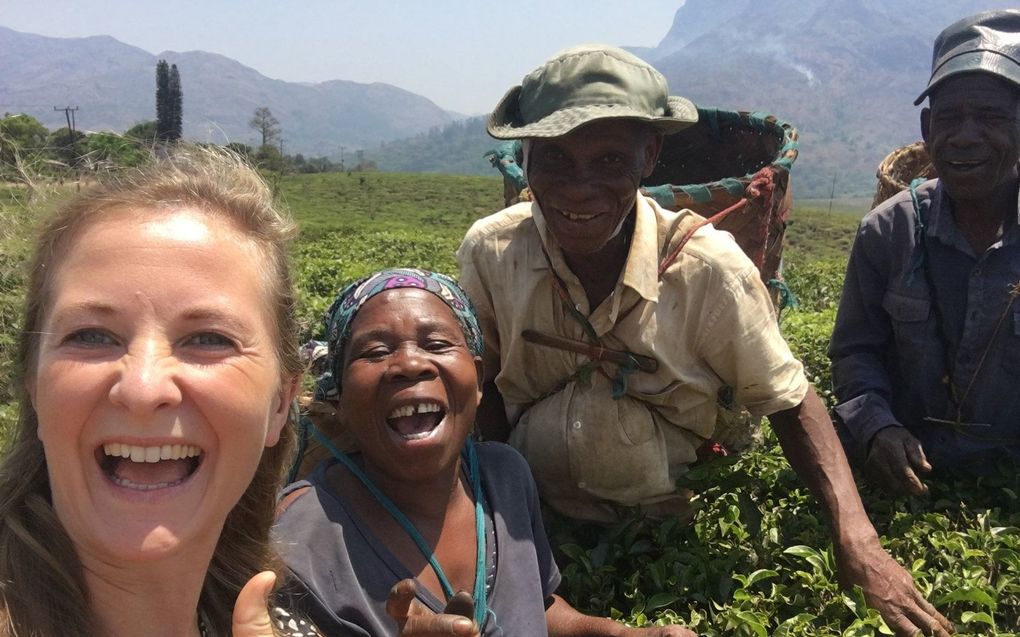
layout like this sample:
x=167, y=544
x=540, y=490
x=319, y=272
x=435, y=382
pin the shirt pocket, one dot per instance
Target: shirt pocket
x=909, y=318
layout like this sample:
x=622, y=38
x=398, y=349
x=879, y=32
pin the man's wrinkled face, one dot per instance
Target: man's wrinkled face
x=586, y=181
x=972, y=131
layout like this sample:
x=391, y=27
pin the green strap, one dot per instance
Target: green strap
x=481, y=609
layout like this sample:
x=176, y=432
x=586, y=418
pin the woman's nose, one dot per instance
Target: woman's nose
x=410, y=362
x=147, y=379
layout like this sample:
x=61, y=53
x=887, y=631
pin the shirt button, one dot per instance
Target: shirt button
x=577, y=424
x=581, y=485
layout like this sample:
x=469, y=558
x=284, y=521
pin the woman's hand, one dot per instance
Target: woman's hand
x=251, y=610
x=415, y=620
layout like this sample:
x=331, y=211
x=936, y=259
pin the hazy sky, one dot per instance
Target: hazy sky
x=461, y=54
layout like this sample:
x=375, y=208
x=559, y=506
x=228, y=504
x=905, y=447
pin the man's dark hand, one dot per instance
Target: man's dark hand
x=896, y=462
x=889, y=589
x=415, y=620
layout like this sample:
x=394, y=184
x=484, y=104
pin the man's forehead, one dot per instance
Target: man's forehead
x=976, y=88
x=606, y=130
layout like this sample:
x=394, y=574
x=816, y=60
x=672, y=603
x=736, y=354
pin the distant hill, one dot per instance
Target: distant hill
x=844, y=72
x=113, y=84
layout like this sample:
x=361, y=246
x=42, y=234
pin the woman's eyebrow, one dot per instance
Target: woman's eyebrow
x=77, y=308
x=217, y=316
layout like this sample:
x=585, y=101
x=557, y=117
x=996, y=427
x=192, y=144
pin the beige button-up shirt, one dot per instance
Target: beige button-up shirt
x=708, y=322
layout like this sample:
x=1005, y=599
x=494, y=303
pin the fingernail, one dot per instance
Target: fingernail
x=463, y=626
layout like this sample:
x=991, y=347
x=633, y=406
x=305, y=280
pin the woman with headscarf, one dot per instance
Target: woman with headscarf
x=421, y=510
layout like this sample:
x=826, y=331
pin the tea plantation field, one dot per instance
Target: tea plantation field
x=757, y=559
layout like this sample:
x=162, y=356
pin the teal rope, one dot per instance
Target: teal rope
x=786, y=295
x=622, y=380
x=481, y=608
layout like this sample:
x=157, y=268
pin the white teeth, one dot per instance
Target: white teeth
x=410, y=410
x=150, y=454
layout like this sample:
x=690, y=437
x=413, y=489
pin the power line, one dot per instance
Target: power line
x=69, y=114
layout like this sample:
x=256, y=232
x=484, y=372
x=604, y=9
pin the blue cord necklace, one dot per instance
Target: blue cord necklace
x=479, y=597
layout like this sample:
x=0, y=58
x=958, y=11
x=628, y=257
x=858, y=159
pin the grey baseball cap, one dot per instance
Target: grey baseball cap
x=587, y=83
x=988, y=42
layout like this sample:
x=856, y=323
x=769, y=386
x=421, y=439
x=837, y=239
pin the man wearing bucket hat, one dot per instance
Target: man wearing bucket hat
x=606, y=365
x=926, y=349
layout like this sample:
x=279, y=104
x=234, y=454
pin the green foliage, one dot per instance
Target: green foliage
x=109, y=150
x=15, y=220
x=327, y=264
x=175, y=125
x=168, y=102
x=143, y=133
x=756, y=560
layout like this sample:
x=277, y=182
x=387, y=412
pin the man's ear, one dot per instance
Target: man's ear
x=289, y=388
x=653, y=146
x=925, y=124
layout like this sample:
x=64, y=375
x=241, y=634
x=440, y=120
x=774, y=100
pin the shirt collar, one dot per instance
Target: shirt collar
x=942, y=226
x=640, y=271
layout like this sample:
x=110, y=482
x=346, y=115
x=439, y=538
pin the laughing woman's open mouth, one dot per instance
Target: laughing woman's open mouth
x=416, y=421
x=148, y=468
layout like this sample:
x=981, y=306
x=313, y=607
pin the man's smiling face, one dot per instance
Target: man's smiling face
x=586, y=181
x=972, y=131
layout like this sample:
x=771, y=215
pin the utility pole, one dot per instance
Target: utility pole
x=69, y=114
x=832, y=192
x=342, y=157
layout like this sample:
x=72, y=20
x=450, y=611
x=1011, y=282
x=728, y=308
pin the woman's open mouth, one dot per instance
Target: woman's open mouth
x=416, y=421
x=148, y=468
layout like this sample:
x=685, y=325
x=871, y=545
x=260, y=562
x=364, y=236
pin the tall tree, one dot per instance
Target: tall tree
x=163, y=109
x=175, y=99
x=267, y=125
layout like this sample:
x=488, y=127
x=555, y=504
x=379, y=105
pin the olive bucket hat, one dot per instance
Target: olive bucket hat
x=584, y=84
x=988, y=42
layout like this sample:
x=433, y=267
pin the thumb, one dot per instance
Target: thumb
x=915, y=453
x=251, y=610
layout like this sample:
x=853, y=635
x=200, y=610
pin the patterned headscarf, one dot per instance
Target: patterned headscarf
x=340, y=315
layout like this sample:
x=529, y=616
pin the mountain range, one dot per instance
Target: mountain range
x=113, y=85
x=844, y=72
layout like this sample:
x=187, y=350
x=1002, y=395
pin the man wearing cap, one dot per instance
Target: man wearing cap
x=580, y=265
x=926, y=348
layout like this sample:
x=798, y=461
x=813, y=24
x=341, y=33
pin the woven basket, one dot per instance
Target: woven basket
x=706, y=168
x=899, y=168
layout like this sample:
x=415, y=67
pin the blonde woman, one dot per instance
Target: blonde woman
x=157, y=369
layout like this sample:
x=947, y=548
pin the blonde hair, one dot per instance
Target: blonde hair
x=42, y=589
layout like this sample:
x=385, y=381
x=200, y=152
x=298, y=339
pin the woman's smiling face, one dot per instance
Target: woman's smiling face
x=156, y=385
x=410, y=385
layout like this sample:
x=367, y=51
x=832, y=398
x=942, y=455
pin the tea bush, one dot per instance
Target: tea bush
x=756, y=560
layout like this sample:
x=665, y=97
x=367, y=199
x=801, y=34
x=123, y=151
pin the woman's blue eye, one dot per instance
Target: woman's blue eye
x=210, y=339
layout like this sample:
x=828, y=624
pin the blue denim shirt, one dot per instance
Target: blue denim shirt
x=889, y=355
